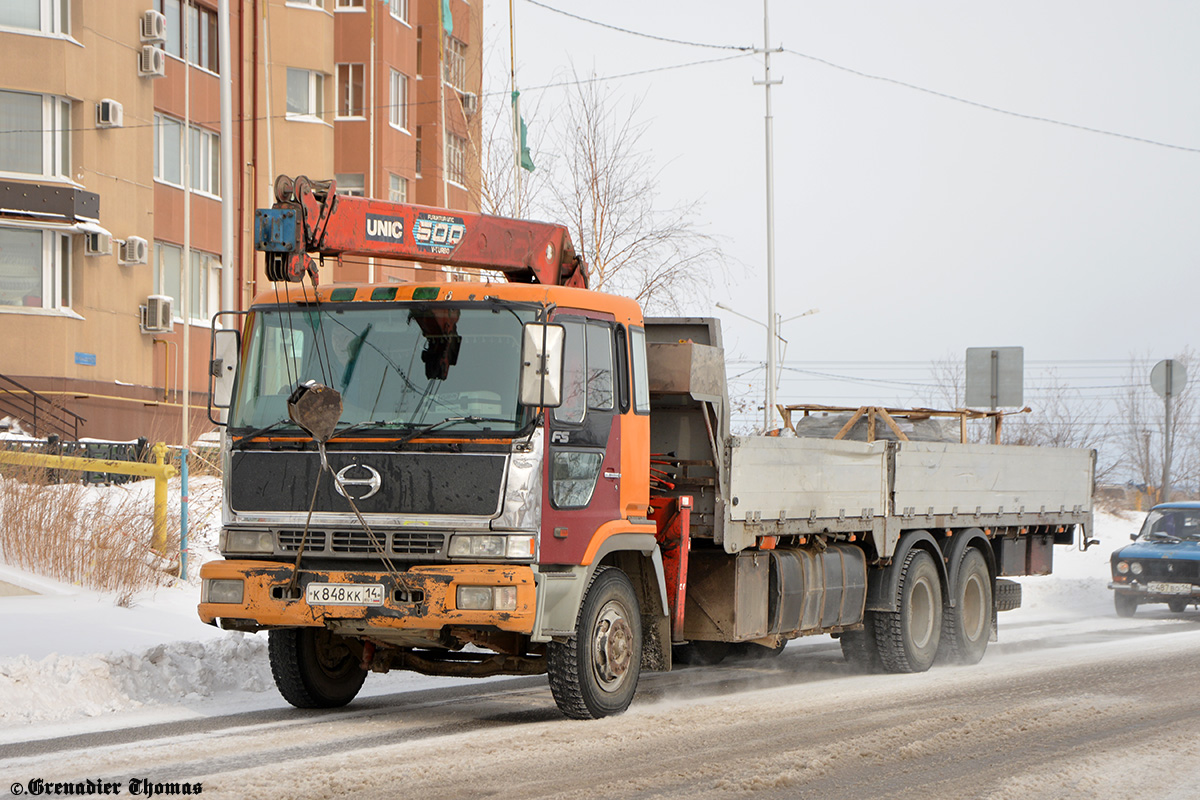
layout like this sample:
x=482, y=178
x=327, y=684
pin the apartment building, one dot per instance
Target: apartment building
x=111, y=186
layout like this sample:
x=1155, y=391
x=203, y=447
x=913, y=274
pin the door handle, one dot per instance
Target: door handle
x=612, y=474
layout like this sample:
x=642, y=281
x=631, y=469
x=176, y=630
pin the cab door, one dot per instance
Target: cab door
x=583, y=466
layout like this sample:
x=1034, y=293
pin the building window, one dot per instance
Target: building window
x=349, y=5
x=398, y=100
x=35, y=268
x=351, y=184
x=418, y=154
x=305, y=93
x=202, y=39
x=205, y=295
x=350, y=91
x=205, y=155
x=310, y=3
x=35, y=135
x=397, y=189
x=454, y=69
x=456, y=159
x=399, y=9
x=41, y=16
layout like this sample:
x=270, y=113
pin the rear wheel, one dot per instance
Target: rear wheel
x=908, y=638
x=1177, y=605
x=1126, y=604
x=967, y=627
x=314, y=668
x=595, y=673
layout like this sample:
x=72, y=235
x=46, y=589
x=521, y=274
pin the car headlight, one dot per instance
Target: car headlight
x=238, y=541
x=491, y=546
x=1123, y=567
x=487, y=598
x=223, y=591
x=1136, y=568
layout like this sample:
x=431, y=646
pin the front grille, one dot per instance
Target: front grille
x=1170, y=570
x=358, y=541
x=289, y=541
x=417, y=542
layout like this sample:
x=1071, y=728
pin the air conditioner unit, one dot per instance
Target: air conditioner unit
x=158, y=315
x=109, y=114
x=97, y=244
x=154, y=26
x=470, y=103
x=134, y=250
x=152, y=62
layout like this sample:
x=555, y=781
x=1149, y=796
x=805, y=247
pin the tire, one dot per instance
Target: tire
x=314, y=668
x=908, y=639
x=1008, y=595
x=700, y=654
x=595, y=672
x=967, y=627
x=1126, y=604
x=858, y=647
x=1177, y=605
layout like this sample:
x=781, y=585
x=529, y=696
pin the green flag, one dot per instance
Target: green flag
x=526, y=158
x=447, y=18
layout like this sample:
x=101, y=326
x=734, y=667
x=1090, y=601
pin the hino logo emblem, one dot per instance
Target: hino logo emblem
x=371, y=481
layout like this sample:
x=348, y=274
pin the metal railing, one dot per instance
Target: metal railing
x=43, y=414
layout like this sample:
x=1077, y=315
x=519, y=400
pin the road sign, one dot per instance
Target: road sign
x=995, y=377
x=1168, y=377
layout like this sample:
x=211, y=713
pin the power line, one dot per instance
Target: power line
x=639, y=33
x=986, y=107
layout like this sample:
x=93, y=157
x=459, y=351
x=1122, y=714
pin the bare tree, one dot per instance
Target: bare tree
x=604, y=184
x=1141, y=425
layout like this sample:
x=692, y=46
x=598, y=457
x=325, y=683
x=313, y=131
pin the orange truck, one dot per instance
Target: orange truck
x=518, y=475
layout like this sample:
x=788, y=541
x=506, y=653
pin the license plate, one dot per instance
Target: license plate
x=344, y=594
x=1169, y=588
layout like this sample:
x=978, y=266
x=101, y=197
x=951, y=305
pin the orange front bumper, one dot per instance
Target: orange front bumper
x=434, y=589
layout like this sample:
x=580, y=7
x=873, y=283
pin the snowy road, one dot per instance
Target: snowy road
x=1065, y=704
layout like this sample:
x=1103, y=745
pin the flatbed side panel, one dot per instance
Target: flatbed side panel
x=1005, y=479
x=774, y=478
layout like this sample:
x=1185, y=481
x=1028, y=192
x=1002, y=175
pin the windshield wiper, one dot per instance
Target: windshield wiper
x=1161, y=535
x=408, y=437
x=358, y=426
x=255, y=434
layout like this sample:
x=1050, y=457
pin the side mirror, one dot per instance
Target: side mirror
x=542, y=348
x=1133, y=537
x=225, y=347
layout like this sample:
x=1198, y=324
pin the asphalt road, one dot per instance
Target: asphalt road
x=1083, y=708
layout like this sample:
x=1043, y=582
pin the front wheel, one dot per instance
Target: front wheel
x=314, y=668
x=907, y=639
x=595, y=672
x=1126, y=604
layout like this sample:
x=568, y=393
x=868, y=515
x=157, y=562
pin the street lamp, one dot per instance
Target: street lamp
x=769, y=410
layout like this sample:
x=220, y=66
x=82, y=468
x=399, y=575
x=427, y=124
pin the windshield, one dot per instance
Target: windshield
x=397, y=365
x=1167, y=524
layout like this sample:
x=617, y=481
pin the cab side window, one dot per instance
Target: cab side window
x=641, y=379
x=600, y=366
x=574, y=372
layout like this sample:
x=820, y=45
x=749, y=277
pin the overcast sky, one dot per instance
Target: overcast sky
x=919, y=225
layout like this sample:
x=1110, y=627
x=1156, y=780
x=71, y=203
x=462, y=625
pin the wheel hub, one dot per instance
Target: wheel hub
x=612, y=648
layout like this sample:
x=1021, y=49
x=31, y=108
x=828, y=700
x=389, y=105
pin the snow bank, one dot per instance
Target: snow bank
x=66, y=686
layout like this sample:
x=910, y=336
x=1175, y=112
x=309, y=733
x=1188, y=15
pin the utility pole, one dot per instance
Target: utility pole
x=767, y=83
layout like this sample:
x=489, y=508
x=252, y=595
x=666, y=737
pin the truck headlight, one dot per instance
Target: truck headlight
x=491, y=546
x=238, y=541
x=223, y=591
x=487, y=598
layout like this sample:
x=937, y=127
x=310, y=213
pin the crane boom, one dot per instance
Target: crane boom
x=309, y=217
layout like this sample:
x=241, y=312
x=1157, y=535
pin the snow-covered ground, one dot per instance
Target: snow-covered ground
x=71, y=658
